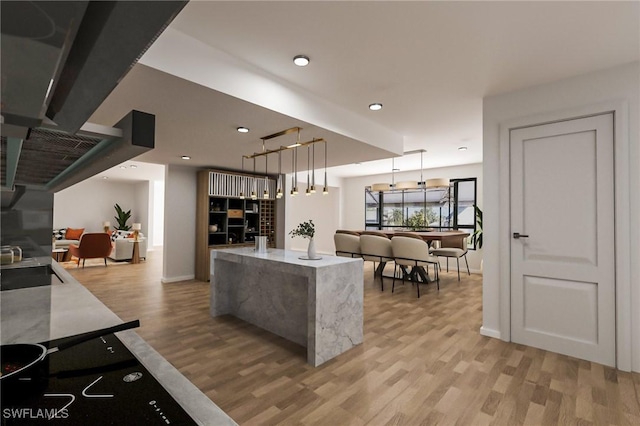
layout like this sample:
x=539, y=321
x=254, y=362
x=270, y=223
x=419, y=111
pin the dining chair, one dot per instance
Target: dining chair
x=453, y=247
x=376, y=247
x=347, y=244
x=413, y=251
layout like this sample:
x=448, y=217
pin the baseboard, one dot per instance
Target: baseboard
x=490, y=333
x=166, y=280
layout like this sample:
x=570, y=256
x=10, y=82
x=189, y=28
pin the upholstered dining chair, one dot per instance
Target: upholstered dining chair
x=413, y=251
x=453, y=247
x=347, y=243
x=92, y=246
x=376, y=247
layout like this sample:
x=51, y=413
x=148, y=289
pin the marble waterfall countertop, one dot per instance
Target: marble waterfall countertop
x=44, y=313
x=315, y=303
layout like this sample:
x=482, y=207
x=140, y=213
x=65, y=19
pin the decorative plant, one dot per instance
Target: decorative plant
x=305, y=230
x=122, y=218
x=477, y=236
x=419, y=220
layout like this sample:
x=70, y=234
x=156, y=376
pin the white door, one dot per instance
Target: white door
x=562, y=265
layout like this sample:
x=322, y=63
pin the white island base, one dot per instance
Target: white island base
x=315, y=303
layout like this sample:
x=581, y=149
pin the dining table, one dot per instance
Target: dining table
x=418, y=274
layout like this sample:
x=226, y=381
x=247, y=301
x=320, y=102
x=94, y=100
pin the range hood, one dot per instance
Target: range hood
x=60, y=60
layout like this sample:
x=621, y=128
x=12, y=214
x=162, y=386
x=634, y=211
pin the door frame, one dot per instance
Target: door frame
x=622, y=217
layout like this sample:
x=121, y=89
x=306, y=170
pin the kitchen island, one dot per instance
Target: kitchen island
x=66, y=308
x=315, y=303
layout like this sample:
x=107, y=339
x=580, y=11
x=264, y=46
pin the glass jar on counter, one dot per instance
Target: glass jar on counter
x=6, y=255
x=17, y=253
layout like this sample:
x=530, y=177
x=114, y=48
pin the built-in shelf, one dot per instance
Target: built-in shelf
x=233, y=217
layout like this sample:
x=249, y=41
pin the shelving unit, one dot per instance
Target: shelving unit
x=237, y=222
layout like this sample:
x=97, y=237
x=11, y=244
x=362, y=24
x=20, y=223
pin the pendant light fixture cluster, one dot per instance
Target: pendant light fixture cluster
x=311, y=172
x=411, y=184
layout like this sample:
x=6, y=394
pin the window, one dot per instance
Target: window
x=439, y=209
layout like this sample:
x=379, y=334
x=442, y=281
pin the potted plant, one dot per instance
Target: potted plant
x=477, y=236
x=306, y=230
x=122, y=218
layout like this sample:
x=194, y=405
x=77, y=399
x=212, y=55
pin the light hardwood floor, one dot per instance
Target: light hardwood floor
x=423, y=360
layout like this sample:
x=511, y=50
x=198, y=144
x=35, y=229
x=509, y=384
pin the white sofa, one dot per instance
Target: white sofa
x=123, y=246
x=59, y=239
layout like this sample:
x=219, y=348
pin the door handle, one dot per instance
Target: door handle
x=518, y=235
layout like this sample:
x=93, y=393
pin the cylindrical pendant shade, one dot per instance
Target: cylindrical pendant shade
x=380, y=187
x=407, y=184
x=437, y=183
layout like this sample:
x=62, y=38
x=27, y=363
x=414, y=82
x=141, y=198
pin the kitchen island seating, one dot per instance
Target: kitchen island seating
x=412, y=251
x=347, y=243
x=376, y=247
x=92, y=246
x=453, y=247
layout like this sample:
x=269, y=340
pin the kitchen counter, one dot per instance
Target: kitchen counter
x=315, y=303
x=44, y=313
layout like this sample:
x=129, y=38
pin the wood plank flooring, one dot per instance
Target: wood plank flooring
x=423, y=360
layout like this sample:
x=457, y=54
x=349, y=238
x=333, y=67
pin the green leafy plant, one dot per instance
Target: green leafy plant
x=477, y=236
x=122, y=218
x=305, y=230
x=419, y=220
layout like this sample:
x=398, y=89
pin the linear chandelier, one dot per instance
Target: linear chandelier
x=311, y=159
x=411, y=184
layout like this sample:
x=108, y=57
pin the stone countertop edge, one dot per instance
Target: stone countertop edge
x=195, y=403
x=285, y=257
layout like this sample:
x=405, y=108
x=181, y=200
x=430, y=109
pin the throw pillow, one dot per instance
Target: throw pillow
x=74, y=234
x=58, y=234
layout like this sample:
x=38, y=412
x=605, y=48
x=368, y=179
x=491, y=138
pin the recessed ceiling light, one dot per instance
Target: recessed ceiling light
x=462, y=148
x=301, y=60
x=123, y=167
x=357, y=164
x=133, y=166
x=243, y=129
x=375, y=107
x=186, y=157
x=105, y=177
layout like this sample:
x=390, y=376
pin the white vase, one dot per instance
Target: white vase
x=311, y=250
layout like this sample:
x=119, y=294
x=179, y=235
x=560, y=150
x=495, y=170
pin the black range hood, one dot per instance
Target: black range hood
x=59, y=61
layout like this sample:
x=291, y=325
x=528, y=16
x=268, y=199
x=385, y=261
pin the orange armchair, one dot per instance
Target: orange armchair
x=92, y=246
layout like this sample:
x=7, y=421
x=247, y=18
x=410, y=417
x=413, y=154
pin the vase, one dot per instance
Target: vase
x=311, y=250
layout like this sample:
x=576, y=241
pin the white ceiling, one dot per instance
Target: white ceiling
x=429, y=63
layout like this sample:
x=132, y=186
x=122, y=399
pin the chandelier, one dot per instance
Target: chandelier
x=293, y=148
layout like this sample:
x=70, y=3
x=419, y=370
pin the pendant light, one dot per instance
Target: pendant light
x=294, y=174
x=313, y=171
x=325, y=190
x=308, y=191
x=265, y=194
x=437, y=183
x=381, y=187
x=253, y=190
x=279, y=190
x=242, y=181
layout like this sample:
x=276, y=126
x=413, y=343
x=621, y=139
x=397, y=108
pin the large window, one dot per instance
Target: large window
x=416, y=209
